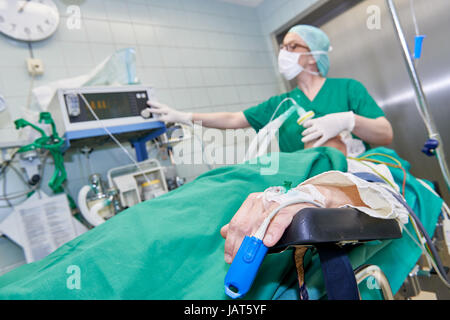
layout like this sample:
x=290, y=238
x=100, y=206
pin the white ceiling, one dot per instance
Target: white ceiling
x=248, y=3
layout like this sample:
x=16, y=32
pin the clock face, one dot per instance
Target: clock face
x=31, y=20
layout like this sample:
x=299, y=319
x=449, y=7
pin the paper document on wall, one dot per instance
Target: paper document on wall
x=41, y=226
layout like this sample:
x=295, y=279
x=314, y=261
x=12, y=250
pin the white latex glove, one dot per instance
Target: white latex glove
x=328, y=127
x=166, y=114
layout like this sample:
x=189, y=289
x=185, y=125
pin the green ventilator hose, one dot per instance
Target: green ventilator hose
x=52, y=143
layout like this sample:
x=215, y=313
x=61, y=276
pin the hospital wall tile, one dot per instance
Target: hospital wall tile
x=19, y=103
x=230, y=94
x=190, y=57
x=178, y=18
x=173, y=4
x=176, y=77
x=122, y=33
x=13, y=53
x=245, y=93
x=194, y=77
x=100, y=51
x=139, y=13
x=239, y=77
x=164, y=95
x=211, y=76
x=53, y=73
x=199, y=98
x=182, y=99
x=156, y=77
x=216, y=96
x=159, y=16
x=145, y=34
x=200, y=55
x=98, y=31
x=71, y=33
x=92, y=9
x=2, y=87
x=50, y=52
x=183, y=38
x=76, y=54
x=139, y=1
x=16, y=82
x=75, y=71
x=225, y=76
x=166, y=36
x=151, y=56
x=207, y=58
x=198, y=39
x=274, y=14
x=171, y=57
x=117, y=10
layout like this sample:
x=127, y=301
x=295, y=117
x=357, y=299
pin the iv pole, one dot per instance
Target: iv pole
x=421, y=101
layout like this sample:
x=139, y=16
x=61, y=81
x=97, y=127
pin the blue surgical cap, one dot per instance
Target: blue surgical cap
x=317, y=40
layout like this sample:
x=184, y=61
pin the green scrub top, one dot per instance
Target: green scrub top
x=336, y=95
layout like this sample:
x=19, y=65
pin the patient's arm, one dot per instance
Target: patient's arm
x=252, y=213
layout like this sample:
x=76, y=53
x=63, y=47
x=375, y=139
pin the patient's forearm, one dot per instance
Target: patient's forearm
x=339, y=196
x=252, y=213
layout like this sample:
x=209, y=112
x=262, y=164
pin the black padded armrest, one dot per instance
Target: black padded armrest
x=312, y=226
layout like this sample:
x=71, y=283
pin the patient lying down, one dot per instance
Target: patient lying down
x=331, y=190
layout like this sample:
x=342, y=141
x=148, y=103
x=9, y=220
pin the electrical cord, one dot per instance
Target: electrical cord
x=114, y=138
x=413, y=13
x=4, y=186
x=427, y=254
x=20, y=194
x=4, y=167
x=432, y=247
x=426, y=244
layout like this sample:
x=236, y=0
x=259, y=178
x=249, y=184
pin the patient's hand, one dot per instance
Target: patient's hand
x=249, y=218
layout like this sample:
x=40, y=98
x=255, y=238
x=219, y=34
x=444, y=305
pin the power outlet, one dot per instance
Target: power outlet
x=35, y=66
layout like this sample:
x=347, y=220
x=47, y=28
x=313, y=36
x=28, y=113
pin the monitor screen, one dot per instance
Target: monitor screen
x=110, y=105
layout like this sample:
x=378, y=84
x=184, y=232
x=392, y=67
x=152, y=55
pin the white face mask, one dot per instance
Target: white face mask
x=288, y=63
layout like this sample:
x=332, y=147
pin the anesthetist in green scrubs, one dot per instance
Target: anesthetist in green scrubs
x=339, y=104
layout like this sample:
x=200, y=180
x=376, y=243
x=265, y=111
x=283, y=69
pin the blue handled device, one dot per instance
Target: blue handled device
x=245, y=266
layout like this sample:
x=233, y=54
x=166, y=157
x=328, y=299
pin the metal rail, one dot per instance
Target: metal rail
x=421, y=100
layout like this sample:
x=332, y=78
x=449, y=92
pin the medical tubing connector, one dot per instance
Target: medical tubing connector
x=260, y=143
x=251, y=254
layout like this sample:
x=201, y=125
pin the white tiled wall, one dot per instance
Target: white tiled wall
x=200, y=55
x=276, y=13
x=183, y=47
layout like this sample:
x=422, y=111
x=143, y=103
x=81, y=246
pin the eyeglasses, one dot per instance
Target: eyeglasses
x=292, y=47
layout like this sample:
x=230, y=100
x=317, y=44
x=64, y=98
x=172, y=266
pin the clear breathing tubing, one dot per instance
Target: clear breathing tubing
x=266, y=134
x=301, y=112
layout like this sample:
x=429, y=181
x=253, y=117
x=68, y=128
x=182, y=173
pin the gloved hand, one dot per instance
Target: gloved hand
x=328, y=127
x=166, y=113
